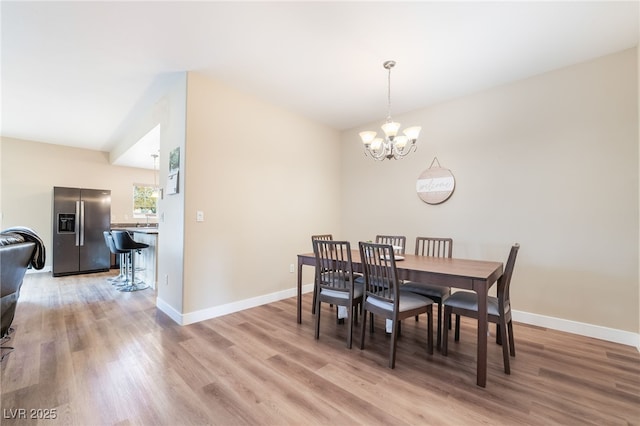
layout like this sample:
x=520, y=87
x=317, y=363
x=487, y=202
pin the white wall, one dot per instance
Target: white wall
x=550, y=162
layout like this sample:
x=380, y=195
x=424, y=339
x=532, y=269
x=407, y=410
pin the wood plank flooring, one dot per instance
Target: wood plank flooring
x=95, y=356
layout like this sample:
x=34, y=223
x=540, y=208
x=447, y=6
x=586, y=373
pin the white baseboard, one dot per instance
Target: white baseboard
x=38, y=271
x=169, y=310
x=583, y=329
x=580, y=328
x=229, y=308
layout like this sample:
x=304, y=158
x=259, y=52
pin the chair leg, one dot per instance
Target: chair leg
x=457, y=332
x=371, y=321
x=445, y=330
x=439, y=327
x=133, y=285
x=505, y=349
x=430, y=329
x=512, y=345
x=349, y=321
x=394, y=343
x=122, y=276
x=417, y=316
x=317, y=318
x=315, y=296
x=498, y=334
x=363, y=326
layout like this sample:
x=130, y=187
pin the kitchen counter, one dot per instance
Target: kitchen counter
x=143, y=230
x=140, y=229
x=135, y=227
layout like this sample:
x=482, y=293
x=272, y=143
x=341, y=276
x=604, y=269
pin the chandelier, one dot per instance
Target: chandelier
x=392, y=145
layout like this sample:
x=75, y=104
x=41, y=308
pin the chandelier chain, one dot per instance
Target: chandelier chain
x=389, y=95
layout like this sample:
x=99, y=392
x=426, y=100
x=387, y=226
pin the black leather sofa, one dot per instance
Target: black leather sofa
x=20, y=249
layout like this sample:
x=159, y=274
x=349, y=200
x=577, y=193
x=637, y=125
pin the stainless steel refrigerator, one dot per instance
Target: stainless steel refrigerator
x=80, y=216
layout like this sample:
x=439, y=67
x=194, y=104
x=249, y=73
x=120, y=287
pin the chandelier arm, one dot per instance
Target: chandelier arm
x=401, y=153
x=380, y=154
x=372, y=154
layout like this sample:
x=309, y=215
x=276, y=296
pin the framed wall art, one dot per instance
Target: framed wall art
x=436, y=184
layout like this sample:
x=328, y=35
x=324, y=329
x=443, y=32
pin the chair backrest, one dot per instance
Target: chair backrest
x=394, y=240
x=380, y=273
x=505, y=280
x=108, y=239
x=322, y=237
x=435, y=247
x=123, y=240
x=334, y=269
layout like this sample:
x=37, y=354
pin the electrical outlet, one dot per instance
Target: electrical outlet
x=291, y=268
x=199, y=216
x=166, y=279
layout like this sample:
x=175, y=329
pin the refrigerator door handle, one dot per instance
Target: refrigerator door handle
x=77, y=224
x=81, y=223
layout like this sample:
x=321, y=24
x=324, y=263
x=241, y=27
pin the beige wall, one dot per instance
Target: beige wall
x=30, y=170
x=550, y=162
x=266, y=180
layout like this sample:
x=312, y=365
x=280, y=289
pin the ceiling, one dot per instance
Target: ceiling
x=72, y=72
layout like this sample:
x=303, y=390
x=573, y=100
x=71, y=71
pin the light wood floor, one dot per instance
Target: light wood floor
x=98, y=356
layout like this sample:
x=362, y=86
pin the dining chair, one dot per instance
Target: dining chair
x=334, y=281
x=322, y=237
x=499, y=311
x=399, y=242
x=383, y=295
x=434, y=247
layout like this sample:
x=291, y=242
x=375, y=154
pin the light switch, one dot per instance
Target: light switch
x=199, y=216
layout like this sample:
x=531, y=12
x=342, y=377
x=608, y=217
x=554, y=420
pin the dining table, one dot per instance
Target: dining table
x=466, y=274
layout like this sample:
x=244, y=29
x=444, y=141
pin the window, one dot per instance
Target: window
x=145, y=201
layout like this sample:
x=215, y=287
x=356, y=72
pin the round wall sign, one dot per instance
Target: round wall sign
x=435, y=185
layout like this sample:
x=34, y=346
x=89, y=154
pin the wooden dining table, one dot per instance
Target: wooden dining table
x=475, y=275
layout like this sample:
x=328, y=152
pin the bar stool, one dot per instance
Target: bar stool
x=124, y=242
x=121, y=279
